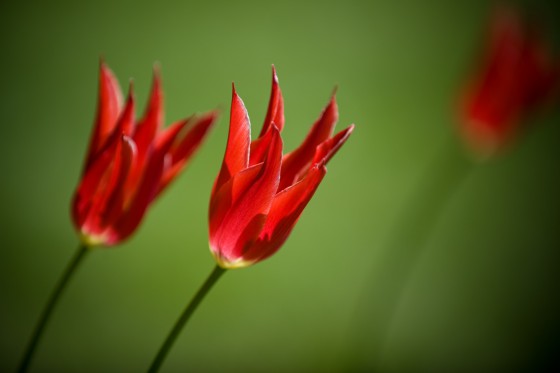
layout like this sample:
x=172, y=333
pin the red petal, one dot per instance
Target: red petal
x=183, y=149
x=97, y=183
x=328, y=148
x=497, y=96
x=251, y=202
x=153, y=117
x=275, y=113
x=539, y=72
x=144, y=195
x=259, y=148
x=90, y=186
x=164, y=138
x=123, y=163
x=284, y=214
x=274, y=116
x=124, y=126
x=236, y=157
x=223, y=199
x=108, y=109
x=232, y=190
x=515, y=77
x=299, y=160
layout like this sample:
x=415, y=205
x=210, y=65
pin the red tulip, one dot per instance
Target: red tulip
x=130, y=163
x=259, y=194
x=516, y=76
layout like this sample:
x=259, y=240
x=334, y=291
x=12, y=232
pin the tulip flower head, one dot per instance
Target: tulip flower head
x=129, y=163
x=516, y=76
x=259, y=194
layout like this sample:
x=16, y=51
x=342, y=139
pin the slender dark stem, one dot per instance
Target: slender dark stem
x=187, y=313
x=49, y=307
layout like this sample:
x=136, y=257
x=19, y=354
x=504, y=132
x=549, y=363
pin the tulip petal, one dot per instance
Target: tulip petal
x=123, y=164
x=124, y=126
x=250, y=204
x=183, y=149
x=296, y=162
x=259, y=148
x=284, y=213
x=516, y=75
x=153, y=117
x=222, y=200
x=164, y=138
x=275, y=112
x=158, y=162
x=328, y=148
x=108, y=109
x=274, y=116
x=88, y=190
x=96, y=182
x=236, y=157
x=491, y=99
x=540, y=74
x=145, y=194
x=146, y=130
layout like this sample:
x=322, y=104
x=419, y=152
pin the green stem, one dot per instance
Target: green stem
x=185, y=316
x=49, y=307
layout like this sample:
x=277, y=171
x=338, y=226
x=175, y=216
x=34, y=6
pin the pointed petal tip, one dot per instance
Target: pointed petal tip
x=156, y=73
x=330, y=147
x=235, y=96
x=156, y=67
x=213, y=115
x=208, y=118
x=130, y=88
x=345, y=133
x=105, y=70
x=332, y=100
x=334, y=91
x=130, y=99
x=103, y=62
x=274, y=75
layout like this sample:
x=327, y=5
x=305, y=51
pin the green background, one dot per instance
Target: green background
x=482, y=294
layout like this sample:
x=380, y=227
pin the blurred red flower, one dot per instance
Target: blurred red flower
x=259, y=194
x=130, y=163
x=517, y=74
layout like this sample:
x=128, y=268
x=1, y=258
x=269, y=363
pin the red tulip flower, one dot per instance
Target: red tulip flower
x=259, y=194
x=516, y=76
x=130, y=163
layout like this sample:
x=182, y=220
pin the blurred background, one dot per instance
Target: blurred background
x=481, y=294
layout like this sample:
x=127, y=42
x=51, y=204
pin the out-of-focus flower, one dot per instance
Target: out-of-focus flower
x=515, y=77
x=130, y=163
x=259, y=194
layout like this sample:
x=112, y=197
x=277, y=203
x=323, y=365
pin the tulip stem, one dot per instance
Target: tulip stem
x=49, y=307
x=185, y=316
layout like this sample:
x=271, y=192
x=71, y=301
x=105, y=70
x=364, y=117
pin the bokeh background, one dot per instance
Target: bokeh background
x=480, y=295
